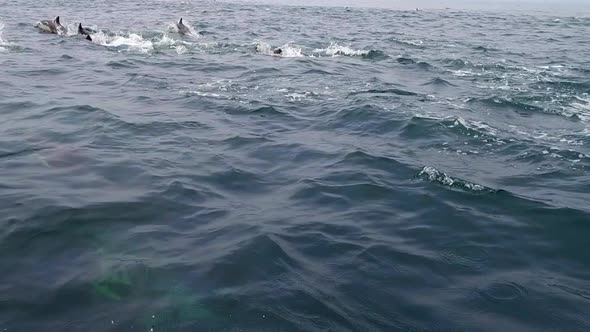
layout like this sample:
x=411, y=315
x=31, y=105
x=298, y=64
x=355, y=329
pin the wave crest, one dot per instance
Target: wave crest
x=433, y=175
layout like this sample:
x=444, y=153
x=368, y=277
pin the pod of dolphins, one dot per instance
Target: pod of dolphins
x=54, y=26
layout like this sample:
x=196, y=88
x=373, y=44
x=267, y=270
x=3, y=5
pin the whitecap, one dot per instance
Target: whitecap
x=434, y=175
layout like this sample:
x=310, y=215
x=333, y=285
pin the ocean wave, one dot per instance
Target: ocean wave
x=566, y=85
x=391, y=91
x=541, y=154
x=372, y=163
x=456, y=63
x=473, y=127
x=509, y=102
x=433, y=175
x=580, y=108
x=572, y=107
x=408, y=42
x=439, y=81
x=405, y=61
x=409, y=61
x=119, y=64
x=337, y=194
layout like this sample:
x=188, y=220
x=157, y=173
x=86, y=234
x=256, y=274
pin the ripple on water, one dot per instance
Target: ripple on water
x=499, y=293
x=468, y=256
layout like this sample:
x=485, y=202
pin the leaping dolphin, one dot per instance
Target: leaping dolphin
x=182, y=29
x=51, y=26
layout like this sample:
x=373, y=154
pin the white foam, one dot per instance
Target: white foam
x=180, y=49
x=135, y=42
x=296, y=97
x=179, y=45
x=201, y=93
x=581, y=108
x=208, y=45
x=434, y=175
x=71, y=29
x=3, y=44
x=415, y=42
x=288, y=50
x=477, y=126
x=465, y=73
x=291, y=51
x=263, y=47
x=337, y=50
x=166, y=41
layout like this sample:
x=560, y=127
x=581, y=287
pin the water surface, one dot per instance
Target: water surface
x=392, y=170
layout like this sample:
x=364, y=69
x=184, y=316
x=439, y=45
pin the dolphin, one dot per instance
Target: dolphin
x=84, y=32
x=53, y=26
x=182, y=29
x=277, y=51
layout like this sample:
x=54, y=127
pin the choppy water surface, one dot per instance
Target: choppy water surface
x=392, y=170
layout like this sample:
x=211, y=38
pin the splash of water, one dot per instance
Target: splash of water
x=288, y=50
x=134, y=42
x=338, y=50
x=172, y=27
x=2, y=41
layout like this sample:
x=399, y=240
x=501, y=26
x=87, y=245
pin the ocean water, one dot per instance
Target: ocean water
x=392, y=170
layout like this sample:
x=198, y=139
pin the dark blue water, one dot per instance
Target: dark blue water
x=391, y=171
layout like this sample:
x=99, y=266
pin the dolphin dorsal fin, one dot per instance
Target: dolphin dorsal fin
x=180, y=22
x=88, y=37
x=80, y=30
x=57, y=20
